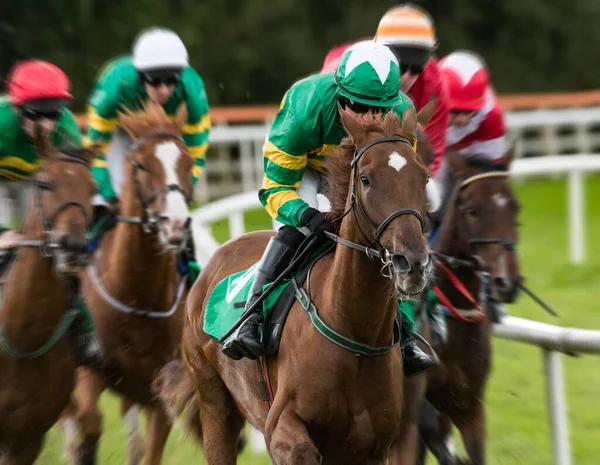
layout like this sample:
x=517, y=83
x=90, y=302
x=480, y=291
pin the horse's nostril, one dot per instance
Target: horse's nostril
x=401, y=264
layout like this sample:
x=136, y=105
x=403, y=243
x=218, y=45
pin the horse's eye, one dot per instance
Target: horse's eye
x=365, y=181
x=44, y=185
x=471, y=212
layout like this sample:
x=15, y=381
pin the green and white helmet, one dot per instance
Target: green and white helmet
x=368, y=73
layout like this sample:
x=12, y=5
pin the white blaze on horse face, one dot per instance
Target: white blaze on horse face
x=397, y=161
x=499, y=200
x=177, y=210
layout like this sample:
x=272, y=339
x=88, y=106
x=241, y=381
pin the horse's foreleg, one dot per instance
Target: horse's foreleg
x=89, y=418
x=288, y=441
x=472, y=428
x=135, y=443
x=158, y=432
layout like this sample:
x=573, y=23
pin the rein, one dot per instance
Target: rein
x=47, y=244
x=375, y=249
x=149, y=221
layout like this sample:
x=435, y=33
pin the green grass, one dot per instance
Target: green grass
x=517, y=418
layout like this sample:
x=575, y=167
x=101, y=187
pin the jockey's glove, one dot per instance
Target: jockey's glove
x=114, y=204
x=316, y=222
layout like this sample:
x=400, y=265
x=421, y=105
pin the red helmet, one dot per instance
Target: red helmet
x=37, y=80
x=333, y=58
x=467, y=79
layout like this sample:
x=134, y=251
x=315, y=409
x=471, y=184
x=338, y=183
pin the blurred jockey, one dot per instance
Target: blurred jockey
x=476, y=126
x=159, y=71
x=38, y=94
x=409, y=32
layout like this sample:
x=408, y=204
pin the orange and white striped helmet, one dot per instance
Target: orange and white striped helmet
x=407, y=25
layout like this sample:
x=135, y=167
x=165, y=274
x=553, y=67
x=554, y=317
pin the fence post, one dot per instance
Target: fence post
x=236, y=224
x=576, y=217
x=557, y=407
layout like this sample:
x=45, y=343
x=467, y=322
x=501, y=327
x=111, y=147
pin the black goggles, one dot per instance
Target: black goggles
x=414, y=68
x=155, y=79
x=36, y=115
x=360, y=108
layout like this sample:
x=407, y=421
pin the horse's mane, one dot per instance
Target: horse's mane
x=150, y=118
x=338, y=165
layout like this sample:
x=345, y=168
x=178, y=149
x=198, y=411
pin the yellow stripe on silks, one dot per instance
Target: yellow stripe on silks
x=318, y=165
x=97, y=163
x=326, y=149
x=104, y=148
x=285, y=160
x=20, y=164
x=99, y=123
x=196, y=171
x=11, y=175
x=202, y=126
x=198, y=151
x=269, y=184
x=276, y=201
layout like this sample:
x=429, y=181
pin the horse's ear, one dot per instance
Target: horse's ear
x=409, y=123
x=181, y=116
x=352, y=125
x=128, y=122
x=424, y=148
x=427, y=111
x=457, y=164
x=89, y=153
x=509, y=156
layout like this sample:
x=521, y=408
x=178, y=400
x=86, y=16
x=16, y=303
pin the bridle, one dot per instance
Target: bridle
x=150, y=220
x=370, y=231
x=48, y=244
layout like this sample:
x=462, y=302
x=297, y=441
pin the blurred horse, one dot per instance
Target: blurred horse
x=475, y=260
x=134, y=288
x=37, y=351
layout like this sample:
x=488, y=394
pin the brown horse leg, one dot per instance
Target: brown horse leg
x=89, y=388
x=23, y=454
x=130, y=412
x=472, y=428
x=220, y=419
x=288, y=441
x=158, y=432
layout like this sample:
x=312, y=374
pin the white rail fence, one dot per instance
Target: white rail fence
x=552, y=340
x=575, y=166
x=235, y=159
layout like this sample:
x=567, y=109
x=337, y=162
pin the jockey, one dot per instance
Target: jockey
x=409, y=32
x=476, y=126
x=38, y=93
x=159, y=71
x=305, y=131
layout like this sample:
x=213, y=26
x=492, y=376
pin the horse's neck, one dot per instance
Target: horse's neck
x=134, y=267
x=34, y=299
x=361, y=302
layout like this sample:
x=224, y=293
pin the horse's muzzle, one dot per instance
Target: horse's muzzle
x=72, y=256
x=506, y=290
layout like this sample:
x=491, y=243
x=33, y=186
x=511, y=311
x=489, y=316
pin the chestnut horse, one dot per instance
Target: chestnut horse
x=37, y=351
x=133, y=288
x=330, y=404
x=476, y=246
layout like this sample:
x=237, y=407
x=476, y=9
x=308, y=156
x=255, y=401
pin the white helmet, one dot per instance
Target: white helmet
x=159, y=48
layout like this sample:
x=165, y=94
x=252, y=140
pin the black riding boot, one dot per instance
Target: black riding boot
x=247, y=341
x=415, y=360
